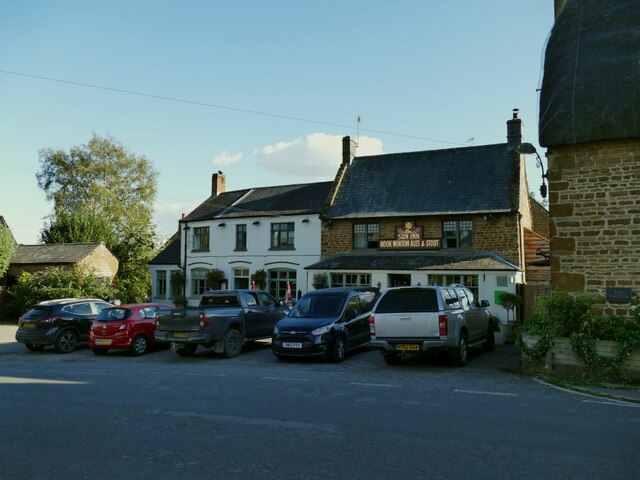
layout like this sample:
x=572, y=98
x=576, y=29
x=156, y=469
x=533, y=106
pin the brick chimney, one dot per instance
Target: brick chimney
x=218, y=183
x=348, y=150
x=514, y=129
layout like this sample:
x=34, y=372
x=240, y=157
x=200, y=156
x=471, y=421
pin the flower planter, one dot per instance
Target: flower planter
x=562, y=361
x=509, y=335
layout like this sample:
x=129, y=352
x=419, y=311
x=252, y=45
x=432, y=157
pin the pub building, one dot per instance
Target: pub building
x=437, y=217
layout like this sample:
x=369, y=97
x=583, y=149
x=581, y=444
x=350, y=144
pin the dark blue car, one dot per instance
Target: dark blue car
x=326, y=322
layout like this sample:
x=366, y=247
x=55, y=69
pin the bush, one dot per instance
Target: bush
x=56, y=282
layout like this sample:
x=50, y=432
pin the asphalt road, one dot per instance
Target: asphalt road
x=79, y=416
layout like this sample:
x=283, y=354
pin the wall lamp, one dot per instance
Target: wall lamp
x=221, y=224
x=305, y=220
x=528, y=149
x=257, y=222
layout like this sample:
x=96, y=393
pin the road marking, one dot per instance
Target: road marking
x=205, y=375
x=617, y=403
x=248, y=421
x=17, y=380
x=285, y=379
x=387, y=385
x=478, y=392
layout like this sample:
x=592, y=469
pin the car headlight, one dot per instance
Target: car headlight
x=321, y=330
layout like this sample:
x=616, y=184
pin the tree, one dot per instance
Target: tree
x=7, y=247
x=102, y=192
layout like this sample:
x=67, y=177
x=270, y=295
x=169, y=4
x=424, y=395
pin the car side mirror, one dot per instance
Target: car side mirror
x=484, y=303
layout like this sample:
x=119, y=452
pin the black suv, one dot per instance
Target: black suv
x=62, y=323
x=325, y=322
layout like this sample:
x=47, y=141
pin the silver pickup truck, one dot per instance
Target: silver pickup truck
x=223, y=321
x=408, y=320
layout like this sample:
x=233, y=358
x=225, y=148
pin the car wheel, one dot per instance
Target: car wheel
x=490, y=342
x=188, y=350
x=339, y=349
x=139, y=346
x=232, y=343
x=66, y=342
x=34, y=348
x=461, y=352
x=100, y=351
x=391, y=358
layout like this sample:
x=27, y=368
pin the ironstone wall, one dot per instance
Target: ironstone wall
x=594, y=218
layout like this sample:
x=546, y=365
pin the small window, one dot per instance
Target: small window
x=457, y=234
x=282, y=235
x=241, y=237
x=366, y=236
x=198, y=281
x=161, y=284
x=502, y=281
x=241, y=278
x=201, y=239
x=408, y=300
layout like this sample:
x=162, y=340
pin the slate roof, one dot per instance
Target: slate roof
x=478, y=179
x=297, y=199
x=169, y=255
x=467, y=261
x=591, y=76
x=55, y=253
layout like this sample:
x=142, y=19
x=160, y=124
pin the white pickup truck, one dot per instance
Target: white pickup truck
x=408, y=320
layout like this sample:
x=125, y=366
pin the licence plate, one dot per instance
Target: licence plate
x=181, y=334
x=408, y=347
x=28, y=325
x=291, y=344
x=103, y=341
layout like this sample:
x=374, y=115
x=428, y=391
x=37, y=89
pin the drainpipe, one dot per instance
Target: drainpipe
x=185, y=229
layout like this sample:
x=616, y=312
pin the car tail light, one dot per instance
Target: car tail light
x=47, y=320
x=204, y=320
x=372, y=325
x=443, y=324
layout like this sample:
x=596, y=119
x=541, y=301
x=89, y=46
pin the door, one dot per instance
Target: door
x=356, y=324
x=474, y=315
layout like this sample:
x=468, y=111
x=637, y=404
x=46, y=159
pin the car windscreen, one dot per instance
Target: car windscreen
x=226, y=300
x=422, y=300
x=318, y=306
x=113, y=314
x=39, y=312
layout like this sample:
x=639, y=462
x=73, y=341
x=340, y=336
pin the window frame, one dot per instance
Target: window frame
x=459, y=236
x=201, y=239
x=366, y=239
x=241, y=237
x=283, y=236
x=161, y=282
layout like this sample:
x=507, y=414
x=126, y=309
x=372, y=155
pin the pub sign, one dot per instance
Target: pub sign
x=409, y=236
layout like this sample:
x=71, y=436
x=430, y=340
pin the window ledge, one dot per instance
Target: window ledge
x=282, y=248
x=200, y=250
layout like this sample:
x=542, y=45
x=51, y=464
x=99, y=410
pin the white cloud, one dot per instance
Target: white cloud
x=316, y=156
x=226, y=158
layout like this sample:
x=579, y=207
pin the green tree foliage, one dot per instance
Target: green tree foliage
x=80, y=226
x=7, y=247
x=102, y=192
x=57, y=282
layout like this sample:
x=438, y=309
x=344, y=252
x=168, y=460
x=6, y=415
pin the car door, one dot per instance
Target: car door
x=83, y=315
x=473, y=313
x=254, y=315
x=274, y=312
x=354, y=322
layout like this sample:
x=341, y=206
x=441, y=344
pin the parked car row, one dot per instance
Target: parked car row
x=402, y=321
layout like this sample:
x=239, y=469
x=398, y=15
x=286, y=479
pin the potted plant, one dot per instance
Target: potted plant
x=510, y=302
x=320, y=281
x=215, y=278
x=260, y=279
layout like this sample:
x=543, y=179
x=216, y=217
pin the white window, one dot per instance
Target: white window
x=350, y=280
x=240, y=278
x=198, y=281
x=161, y=284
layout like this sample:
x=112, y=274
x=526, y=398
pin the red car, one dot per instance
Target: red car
x=129, y=327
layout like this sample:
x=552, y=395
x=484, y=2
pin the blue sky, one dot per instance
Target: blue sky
x=261, y=90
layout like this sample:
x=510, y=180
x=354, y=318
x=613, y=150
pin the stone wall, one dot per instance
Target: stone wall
x=594, y=218
x=491, y=233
